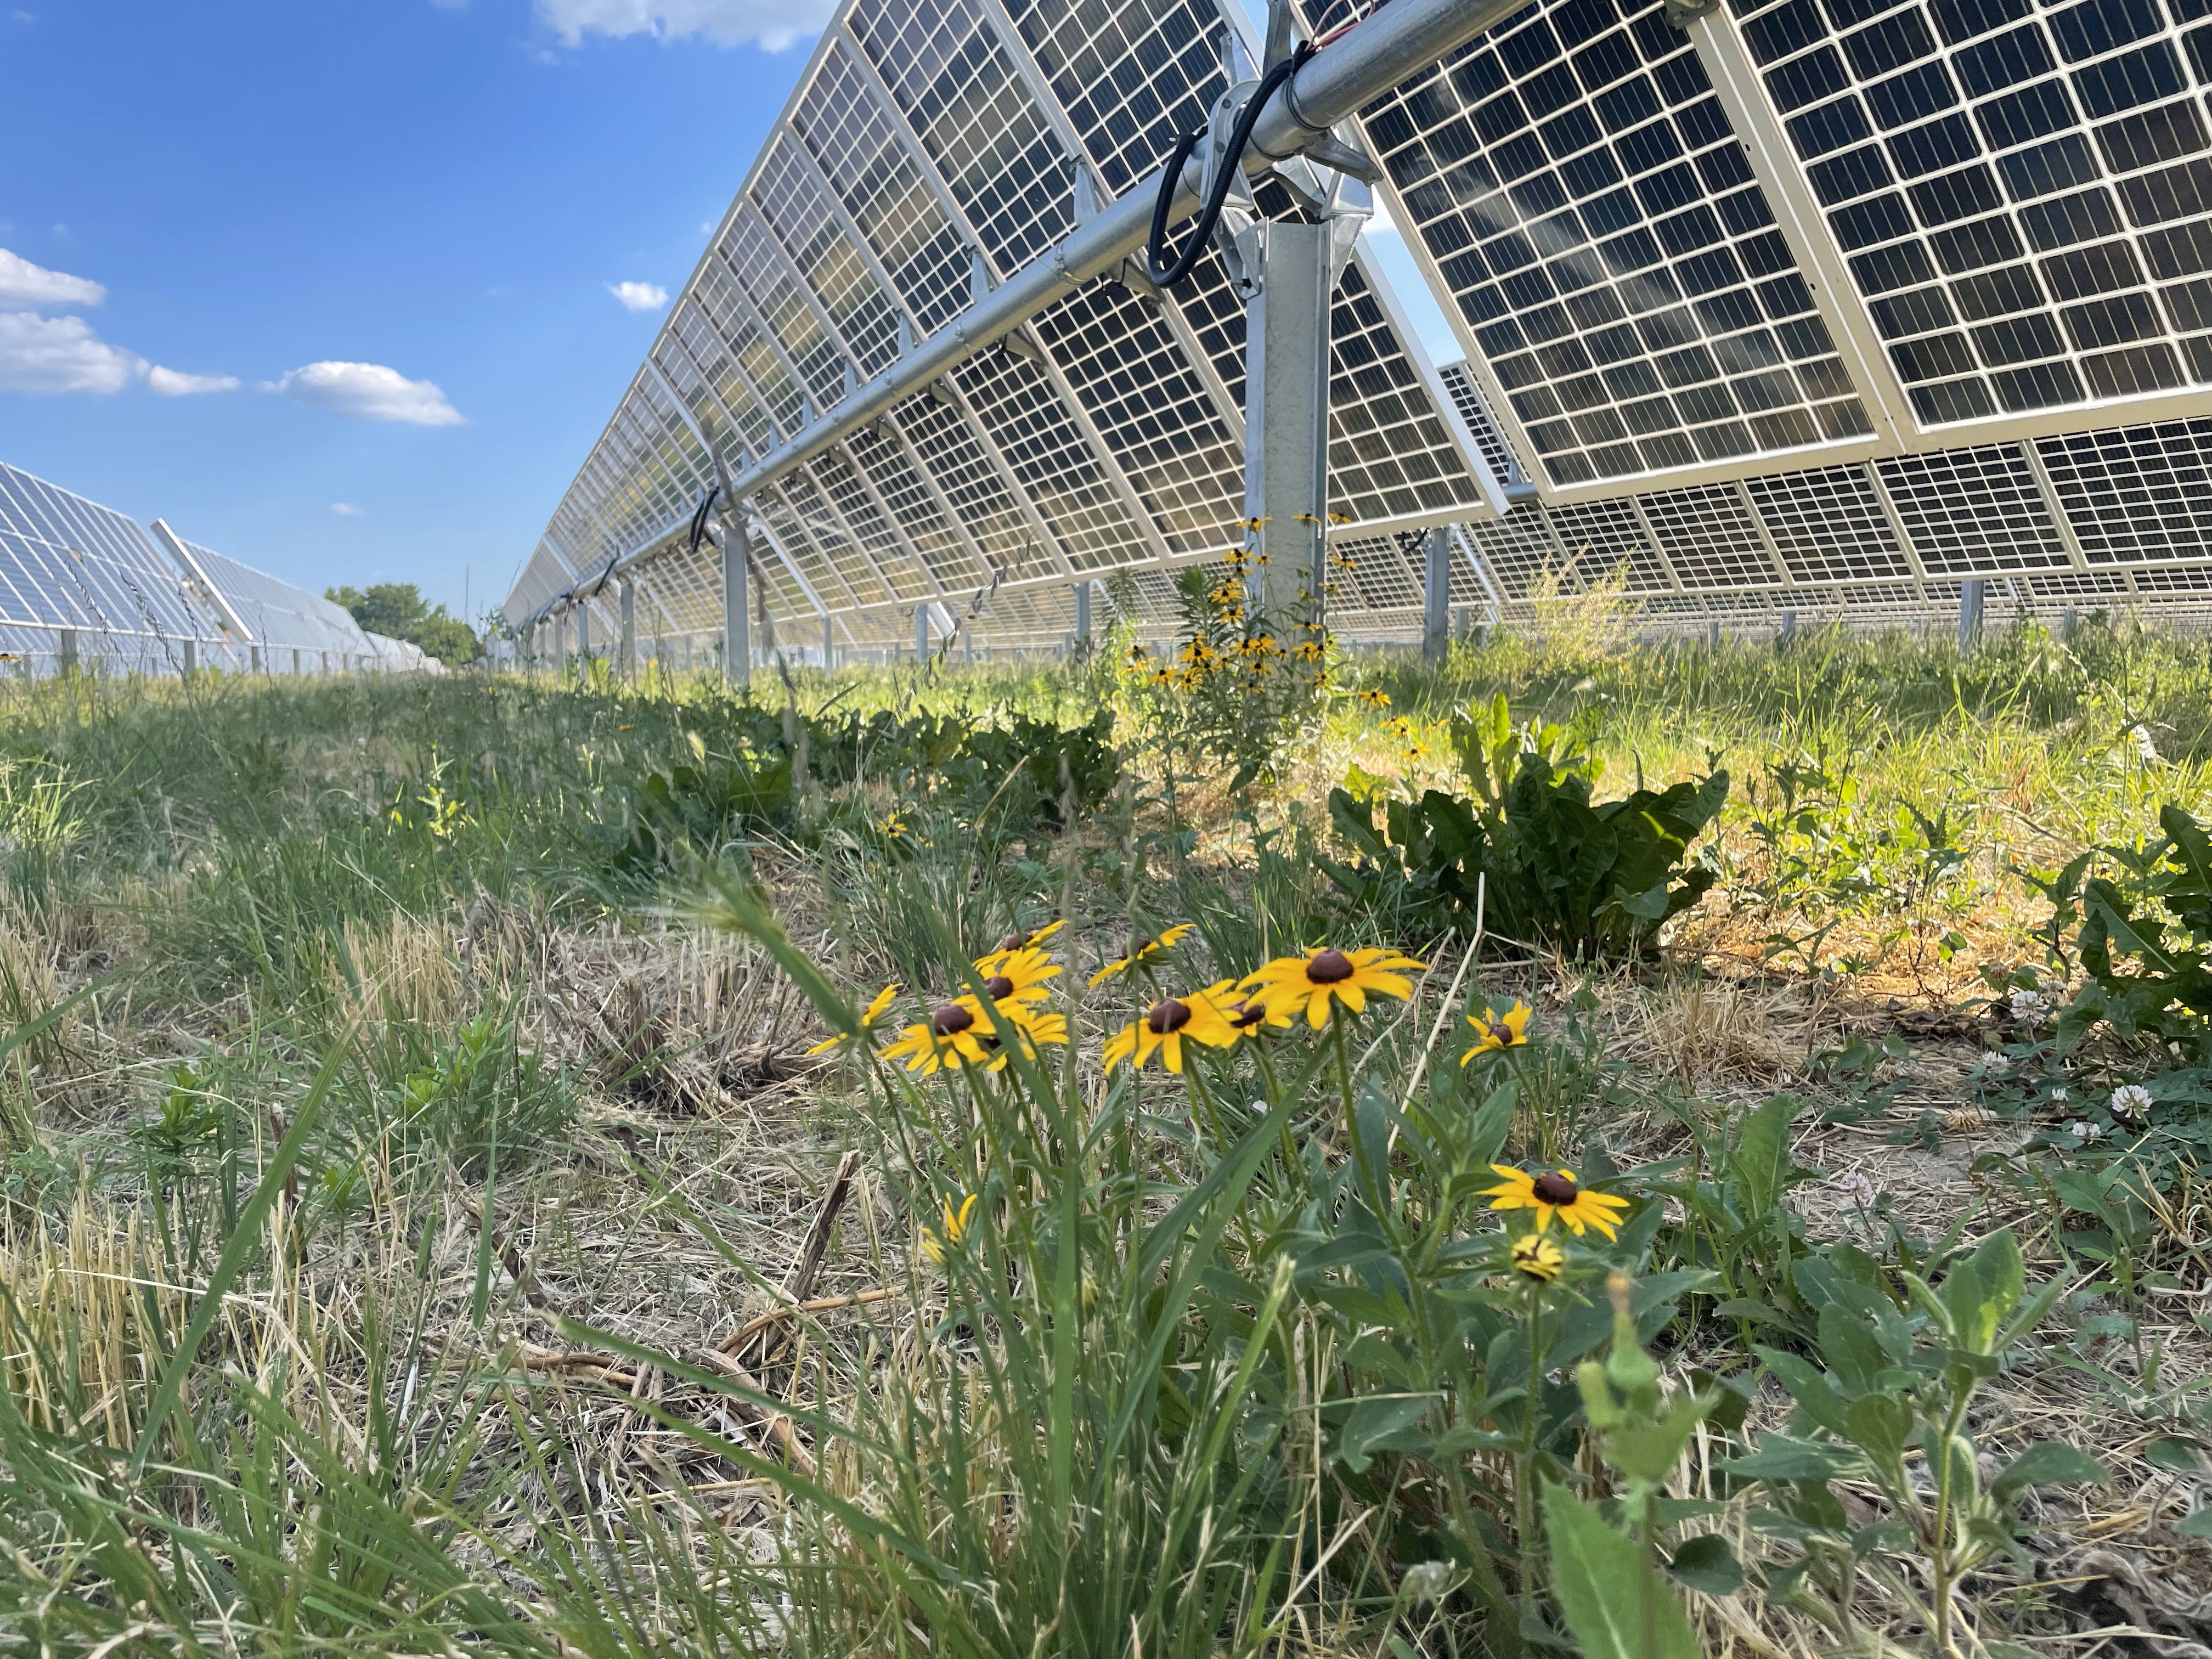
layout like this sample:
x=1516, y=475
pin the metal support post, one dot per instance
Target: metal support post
x=65, y=651
x=1713, y=634
x=1788, y=629
x=1970, y=596
x=192, y=658
x=1436, y=594
x=737, y=616
x=627, y=650
x=297, y=668
x=2069, y=621
x=1286, y=414
x=1082, y=620
x=253, y=658
x=921, y=632
x=583, y=637
x=829, y=643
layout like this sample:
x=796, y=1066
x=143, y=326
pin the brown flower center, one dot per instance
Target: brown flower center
x=1554, y=1189
x=999, y=986
x=951, y=1019
x=1330, y=968
x=1244, y=1015
x=1014, y=942
x=1138, y=945
x=1168, y=1015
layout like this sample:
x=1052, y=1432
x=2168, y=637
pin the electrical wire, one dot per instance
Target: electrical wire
x=1165, y=274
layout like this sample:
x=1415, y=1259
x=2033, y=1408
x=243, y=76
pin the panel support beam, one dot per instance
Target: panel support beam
x=736, y=614
x=1286, y=415
x=1436, y=594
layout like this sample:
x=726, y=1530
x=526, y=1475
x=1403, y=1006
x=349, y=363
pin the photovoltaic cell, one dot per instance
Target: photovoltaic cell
x=2023, y=193
x=1593, y=214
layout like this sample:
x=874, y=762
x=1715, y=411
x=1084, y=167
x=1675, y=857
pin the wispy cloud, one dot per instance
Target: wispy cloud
x=346, y=509
x=169, y=383
x=772, y=24
x=367, y=392
x=23, y=283
x=639, y=296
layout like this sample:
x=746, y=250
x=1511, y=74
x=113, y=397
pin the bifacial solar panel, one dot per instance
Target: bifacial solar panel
x=67, y=562
x=277, y=616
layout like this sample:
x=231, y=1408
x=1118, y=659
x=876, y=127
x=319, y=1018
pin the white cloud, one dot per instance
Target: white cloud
x=639, y=296
x=1382, y=224
x=772, y=24
x=23, y=283
x=169, y=383
x=367, y=391
x=346, y=509
x=61, y=353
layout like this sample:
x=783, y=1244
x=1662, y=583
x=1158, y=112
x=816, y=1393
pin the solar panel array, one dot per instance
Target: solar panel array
x=80, y=579
x=1791, y=307
x=932, y=147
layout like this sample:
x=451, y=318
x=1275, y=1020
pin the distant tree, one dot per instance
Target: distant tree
x=397, y=611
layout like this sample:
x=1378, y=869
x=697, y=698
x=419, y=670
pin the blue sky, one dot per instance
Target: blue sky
x=393, y=224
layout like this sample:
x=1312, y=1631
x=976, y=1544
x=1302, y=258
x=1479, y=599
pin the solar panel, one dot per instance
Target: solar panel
x=66, y=562
x=933, y=147
x=277, y=617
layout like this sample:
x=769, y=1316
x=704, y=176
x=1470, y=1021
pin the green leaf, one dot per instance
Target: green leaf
x=1608, y=1593
x=2053, y=1463
x=1810, y=1390
x=2174, y=1454
x=1707, y=1563
x=2199, y=1525
x=1781, y=1457
x=1759, y=1160
x=1383, y=1423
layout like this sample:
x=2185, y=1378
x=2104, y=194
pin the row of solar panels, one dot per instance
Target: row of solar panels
x=1789, y=306
x=81, y=583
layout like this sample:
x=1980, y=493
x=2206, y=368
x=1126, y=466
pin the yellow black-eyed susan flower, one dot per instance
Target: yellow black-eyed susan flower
x=1329, y=976
x=1167, y=1025
x=1535, y=1256
x=937, y=1244
x=1018, y=975
x=871, y=1017
x=952, y=1037
x=1243, y=1016
x=1556, y=1193
x=1143, y=948
x=1495, y=1032
x=1374, y=697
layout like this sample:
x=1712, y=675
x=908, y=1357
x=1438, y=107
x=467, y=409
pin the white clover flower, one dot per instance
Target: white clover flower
x=1428, y=1581
x=2081, y=1131
x=2131, y=1100
x=2058, y=1097
x=1853, y=1185
x=1993, y=1059
x=2028, y=1007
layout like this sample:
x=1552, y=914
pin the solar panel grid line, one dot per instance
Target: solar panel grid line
x=1123, y=371
x=895, y=557
x=890, y=432
x=810, y=564
x=818, y=523
x=1657, y=545
x=693, y=344
x=1983, y=343
x=1103, y=453
x=956, y=87
x=784, y=306
x=1017, y=401
x=844, y=355
x=810, y=332
x=859, y=305
x=864, y=249
x=1898, y=526
x=956, y=454
x=851, y=137
x=1017, y=48
x=1489, y=481
x=754, y=346
x=1729, y=280
x=1044, y=536
x=925, y=570
x=1798, y=217
x=2031, y=453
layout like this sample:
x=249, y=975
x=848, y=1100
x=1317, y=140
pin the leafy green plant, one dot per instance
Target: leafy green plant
x=1736, y=1219
x=482, y=1097
x=1888, y=1405
x=1532, y=852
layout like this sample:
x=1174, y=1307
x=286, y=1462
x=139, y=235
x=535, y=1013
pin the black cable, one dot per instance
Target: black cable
x=699, y=519
x=1209, y=213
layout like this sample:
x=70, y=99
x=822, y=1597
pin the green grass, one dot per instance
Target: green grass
x=407, y=1094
